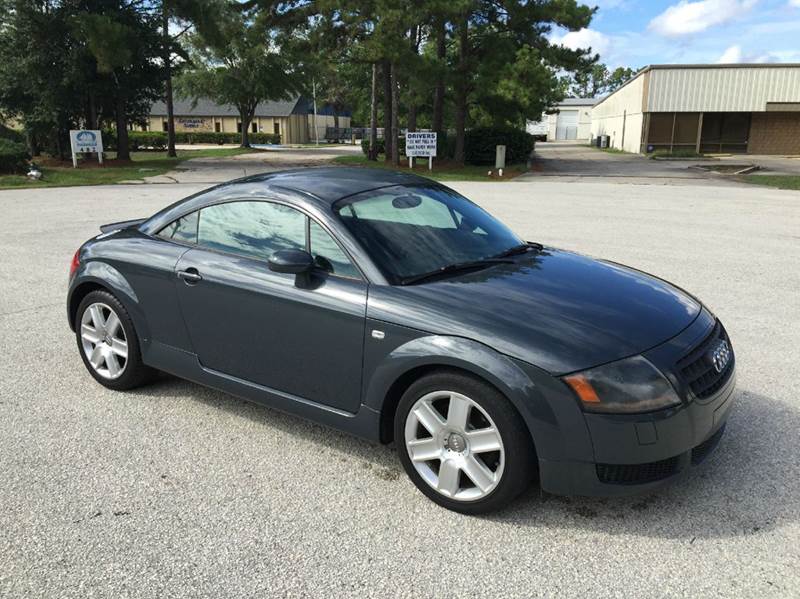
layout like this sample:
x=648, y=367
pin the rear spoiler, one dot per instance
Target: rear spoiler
x=125, y=224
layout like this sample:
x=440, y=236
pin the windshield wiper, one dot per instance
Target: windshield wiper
x=451, y=268
x=519, y=249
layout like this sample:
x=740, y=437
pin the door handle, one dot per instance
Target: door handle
x=190, y=276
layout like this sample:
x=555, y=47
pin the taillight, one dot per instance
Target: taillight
x=76, y=261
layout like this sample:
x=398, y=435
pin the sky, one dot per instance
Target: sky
x=636, y=33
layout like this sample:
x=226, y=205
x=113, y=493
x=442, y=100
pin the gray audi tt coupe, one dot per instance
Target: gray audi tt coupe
x=391, y=307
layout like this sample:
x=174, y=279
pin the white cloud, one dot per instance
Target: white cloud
x=584, y=38
x=731, y=55
x=687, y=17
x=795, y=3
x=734, y=54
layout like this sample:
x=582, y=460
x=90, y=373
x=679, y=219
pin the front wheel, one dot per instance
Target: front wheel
x=462, y=443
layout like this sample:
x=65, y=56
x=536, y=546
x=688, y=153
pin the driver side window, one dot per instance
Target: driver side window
x=258, y=229
x=254, y=229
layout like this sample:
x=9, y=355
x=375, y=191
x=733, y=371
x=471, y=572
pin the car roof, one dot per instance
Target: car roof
x=314, y=185
x=331, y=184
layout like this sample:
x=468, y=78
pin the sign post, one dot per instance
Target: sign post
x=500, y=159
x=420, y=143
x=85, y=141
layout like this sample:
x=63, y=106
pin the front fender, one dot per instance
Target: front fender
x=524, y=391
x=96, y=272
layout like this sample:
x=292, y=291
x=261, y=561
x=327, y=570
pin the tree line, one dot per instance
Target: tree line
x=445, y=65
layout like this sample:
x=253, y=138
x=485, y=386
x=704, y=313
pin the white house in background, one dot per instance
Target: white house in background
x=570, y=119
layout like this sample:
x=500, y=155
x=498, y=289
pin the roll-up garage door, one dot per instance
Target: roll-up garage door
x=567, y=125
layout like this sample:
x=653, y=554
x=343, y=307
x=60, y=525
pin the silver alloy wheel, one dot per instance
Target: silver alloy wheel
x=454, y=445
x=103, y=340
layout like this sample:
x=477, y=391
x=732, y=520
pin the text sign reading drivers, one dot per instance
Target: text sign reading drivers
x=420, y=144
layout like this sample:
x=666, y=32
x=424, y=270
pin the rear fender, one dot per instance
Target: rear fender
x=100, y=273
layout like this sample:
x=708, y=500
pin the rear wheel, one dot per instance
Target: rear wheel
x=462, y=443
x=108, y=343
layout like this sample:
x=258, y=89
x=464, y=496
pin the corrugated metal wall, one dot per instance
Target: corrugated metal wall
x=620, y=116
x=738, y=89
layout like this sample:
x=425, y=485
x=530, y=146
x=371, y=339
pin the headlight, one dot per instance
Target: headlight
x=629, y=386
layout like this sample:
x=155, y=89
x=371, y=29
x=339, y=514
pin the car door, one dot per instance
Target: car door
x=254, y=324
x=153, y=282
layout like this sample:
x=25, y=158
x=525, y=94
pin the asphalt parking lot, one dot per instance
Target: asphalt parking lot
x=179, y=491
x=576, y=160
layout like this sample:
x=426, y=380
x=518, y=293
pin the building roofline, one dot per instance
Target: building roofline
x=726, y=65
x=577, y=102
x=739, y=65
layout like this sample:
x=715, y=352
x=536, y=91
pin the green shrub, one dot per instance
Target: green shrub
x=13, y=156
x=675, y=153
x=155, y=140
x=381, y=143
x=205, y=137
x=365, y=146
x=109, y=139
x=445, y=146
x=263, y=138
x=212, y=137
x=480, y=143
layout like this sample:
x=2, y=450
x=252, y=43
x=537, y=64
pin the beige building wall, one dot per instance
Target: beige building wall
x=620, y=115
x=774, y=133
x=323, y=122
x=292, y=129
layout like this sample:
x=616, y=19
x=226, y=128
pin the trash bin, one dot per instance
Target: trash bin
x=604, y=139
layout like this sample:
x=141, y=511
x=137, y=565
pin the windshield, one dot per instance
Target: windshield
x=412, y=230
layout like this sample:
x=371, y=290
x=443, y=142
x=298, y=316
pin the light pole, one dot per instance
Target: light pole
x=314, y=94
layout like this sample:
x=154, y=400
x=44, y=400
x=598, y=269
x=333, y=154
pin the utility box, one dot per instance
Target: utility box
x=500, y=157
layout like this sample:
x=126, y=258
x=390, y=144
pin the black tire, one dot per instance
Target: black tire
x=134, y=373
x=519, y=455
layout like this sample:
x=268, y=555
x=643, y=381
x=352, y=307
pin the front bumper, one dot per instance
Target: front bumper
x=633, y=456
x=639, y=452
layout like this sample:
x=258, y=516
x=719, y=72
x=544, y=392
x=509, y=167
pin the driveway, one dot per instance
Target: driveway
x=175, y=490
x=270, y=158
x=578, y=160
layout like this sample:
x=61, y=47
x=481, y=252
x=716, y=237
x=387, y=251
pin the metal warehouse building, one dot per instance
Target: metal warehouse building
x=569, y=119
x=752, y=108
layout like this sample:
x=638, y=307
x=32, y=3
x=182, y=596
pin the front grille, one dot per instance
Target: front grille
x=697, y=370
x=701, y=452
x=632, y=474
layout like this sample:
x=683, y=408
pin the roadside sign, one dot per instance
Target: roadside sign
x=85, y=141
x=421, y=143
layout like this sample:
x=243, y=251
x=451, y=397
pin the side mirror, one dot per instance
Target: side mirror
x=293, y=262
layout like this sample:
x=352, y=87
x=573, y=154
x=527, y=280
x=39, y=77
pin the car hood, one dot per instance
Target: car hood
x=555, y=309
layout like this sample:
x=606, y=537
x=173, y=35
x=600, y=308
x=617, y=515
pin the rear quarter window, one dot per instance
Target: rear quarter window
x=184, y=229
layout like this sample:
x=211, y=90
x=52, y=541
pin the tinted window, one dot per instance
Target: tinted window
x=183, y=229
x=256, y=229
x=328, y=255
x=411, y=230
